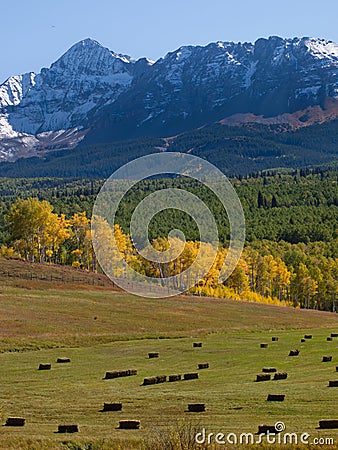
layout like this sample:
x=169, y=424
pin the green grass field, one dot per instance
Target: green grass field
x=103, y=330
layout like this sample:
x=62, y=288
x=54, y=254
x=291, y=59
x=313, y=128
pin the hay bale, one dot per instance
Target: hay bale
x=294, y=353
x=203, y=366
x=308, y=336
x=328, y=424
x=275, y=398
x=329, y=338
x=63, y=360
x=333, y=383
x=264, y=345
x=303, y=340
x=120, y=374
x=161, y=379
x=334, y=335
x=336, y=368
x=190, y=376
x=153, y=355
x=263, y=377
x=112, y=407
x=111, y=375
x=274, y=339
x=197, y=344
x=68, y=429
x=269, y=369
x=15, y=422
x=174, y=378
x=264, y=429
x=44, y=366
x=129, y=424
x=327, y=358
x=196, y=407
x=280, y=376
x=149, y=380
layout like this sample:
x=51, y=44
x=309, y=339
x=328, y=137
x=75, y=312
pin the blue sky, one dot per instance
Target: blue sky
x=35, y=33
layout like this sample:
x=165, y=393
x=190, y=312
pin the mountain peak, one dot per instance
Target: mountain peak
x=90, y=57
x=93, y=46
x=112, y=96
x=89, y=42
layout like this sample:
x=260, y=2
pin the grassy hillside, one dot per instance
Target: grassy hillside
x=42, y=313
x=103, y=330
x=75, y=392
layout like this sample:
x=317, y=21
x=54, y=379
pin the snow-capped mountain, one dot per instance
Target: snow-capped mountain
x=38, y=109
x=95, y=93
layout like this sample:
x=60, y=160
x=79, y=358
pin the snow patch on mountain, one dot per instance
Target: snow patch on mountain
x=249, y=74
x=322, y=49
x=15, y=88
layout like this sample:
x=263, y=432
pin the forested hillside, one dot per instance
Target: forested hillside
x=297, y=207
x=236, y=150
x=291, y=222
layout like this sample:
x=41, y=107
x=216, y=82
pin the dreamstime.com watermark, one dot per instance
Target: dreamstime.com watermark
x=167, y=164
x=279, y=437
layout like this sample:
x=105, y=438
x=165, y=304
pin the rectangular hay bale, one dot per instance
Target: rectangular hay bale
x=196, y=407
x=129, y=424
x=263, y=377
x=111, y=375
x=280, y=376
x=149, y=380
x=190, y=376
x=161, y=379
x=120, y=374
x=264, y=429
x=112, y=407
x=63, y=360
x=203, y=366
x=45, y=366
x=275, y=398
x=328, y=424
x=68, y=429
x=327, y=358
x=174, y=378
x=15, y=422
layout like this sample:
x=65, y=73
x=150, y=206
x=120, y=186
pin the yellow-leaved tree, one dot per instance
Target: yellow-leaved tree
x=35, y=230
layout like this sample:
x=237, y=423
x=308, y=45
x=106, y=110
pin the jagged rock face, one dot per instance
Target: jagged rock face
x=293, y=74
x=15, y=88
x=194, y=86
x=113, y=96
x=85, y=77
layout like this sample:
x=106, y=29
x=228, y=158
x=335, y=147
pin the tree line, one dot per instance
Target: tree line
x=300, y=274
x=297, y=206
